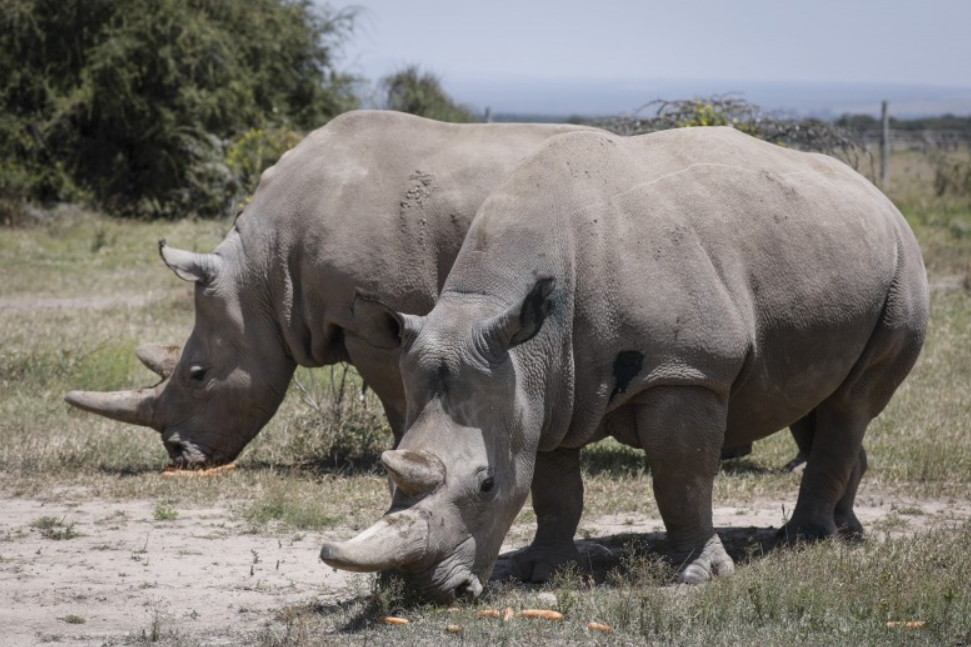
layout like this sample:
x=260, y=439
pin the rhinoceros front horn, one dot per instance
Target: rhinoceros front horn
x=133, y=407
x=414, y=472
x=396, y=540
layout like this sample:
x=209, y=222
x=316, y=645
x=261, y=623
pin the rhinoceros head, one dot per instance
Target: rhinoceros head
x=229, y=378
x=463, y=468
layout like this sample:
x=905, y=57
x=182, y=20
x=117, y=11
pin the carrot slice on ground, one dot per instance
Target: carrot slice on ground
x=173, y=471
x=913, y=624
x=598, y=626
x=544, y=614
x=489, y=613
x=391, y=620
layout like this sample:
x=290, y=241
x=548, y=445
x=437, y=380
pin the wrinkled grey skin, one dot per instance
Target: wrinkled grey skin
x=679, y=291
x=375, y=200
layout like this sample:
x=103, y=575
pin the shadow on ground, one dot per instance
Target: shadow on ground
x=609, y=561
x=606, y=558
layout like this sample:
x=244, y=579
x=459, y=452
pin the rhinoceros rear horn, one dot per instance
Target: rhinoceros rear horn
x=414, y=472
x=159, y=359
x=133, y=407
x=190, y=266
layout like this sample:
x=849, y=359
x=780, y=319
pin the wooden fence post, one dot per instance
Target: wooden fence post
x=884, y=143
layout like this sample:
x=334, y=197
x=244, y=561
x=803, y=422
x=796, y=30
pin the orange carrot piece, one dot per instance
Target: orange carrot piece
x=173, y=471
x=544, y=614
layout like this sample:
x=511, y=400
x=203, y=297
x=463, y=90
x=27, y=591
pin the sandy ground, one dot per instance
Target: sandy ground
x=206, y=576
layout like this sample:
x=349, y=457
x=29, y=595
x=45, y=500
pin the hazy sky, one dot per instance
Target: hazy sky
x=876, y=41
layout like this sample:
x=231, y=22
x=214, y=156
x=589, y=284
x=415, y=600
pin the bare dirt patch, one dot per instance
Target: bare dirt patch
x=205, y=577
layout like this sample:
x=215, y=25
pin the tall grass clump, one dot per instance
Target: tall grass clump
x=330, y=420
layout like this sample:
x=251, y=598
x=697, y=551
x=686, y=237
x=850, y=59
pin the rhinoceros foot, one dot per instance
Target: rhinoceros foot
x=713, y=561
x=792, y=532
x=736, y=451
x=537, y=564
x=849, y=527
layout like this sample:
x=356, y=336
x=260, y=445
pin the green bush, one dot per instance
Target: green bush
x=420, y=93
x=248, y=155
x=133, y=102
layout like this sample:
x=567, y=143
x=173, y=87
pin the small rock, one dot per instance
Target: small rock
x=547, y=598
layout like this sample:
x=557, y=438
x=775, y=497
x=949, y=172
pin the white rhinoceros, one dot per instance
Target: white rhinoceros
x=376, y=200
x=677, y=291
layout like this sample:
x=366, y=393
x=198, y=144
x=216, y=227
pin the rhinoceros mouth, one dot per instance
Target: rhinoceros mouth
x=185, y=454
x=452, y=579
x=461, y=584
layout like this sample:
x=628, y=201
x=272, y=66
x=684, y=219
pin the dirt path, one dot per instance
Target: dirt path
x=126, y=573
x=206, y=576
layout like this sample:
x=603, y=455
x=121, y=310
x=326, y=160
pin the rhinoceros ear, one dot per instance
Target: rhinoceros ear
x=189, y=266
x=380, y=325
x=522, y=321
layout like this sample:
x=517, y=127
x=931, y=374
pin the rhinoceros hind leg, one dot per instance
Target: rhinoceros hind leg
x=802, y=432
x=557, y=491
x=791, y=533
x=837, y=440
x=847, y=525
x=837, y=460
x=736, y=451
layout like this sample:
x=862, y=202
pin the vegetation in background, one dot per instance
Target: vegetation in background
x=255, y=151
x=130, y=103
x=420, y=93
x=861, y=123
x=952, y=175
x=731, y=110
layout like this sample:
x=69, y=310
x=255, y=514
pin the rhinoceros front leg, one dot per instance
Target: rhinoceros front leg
x=681, y=430
x=557, y=491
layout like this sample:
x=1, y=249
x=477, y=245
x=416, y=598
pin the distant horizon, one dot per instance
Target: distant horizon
x=565, y=98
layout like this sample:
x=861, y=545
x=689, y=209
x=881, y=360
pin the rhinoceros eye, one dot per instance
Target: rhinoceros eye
x=197, y=373
x=487, y=484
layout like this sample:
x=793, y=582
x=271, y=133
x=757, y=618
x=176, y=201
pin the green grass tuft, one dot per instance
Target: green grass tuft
x=54, y=528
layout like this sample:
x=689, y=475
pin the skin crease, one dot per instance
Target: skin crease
x=375, y=200
x=678, y=291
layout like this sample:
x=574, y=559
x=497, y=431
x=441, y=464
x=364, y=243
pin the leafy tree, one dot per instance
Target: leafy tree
x=132, y=102
x=421, y=93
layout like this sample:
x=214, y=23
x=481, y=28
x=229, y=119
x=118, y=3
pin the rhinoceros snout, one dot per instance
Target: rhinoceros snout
x=188, y=454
